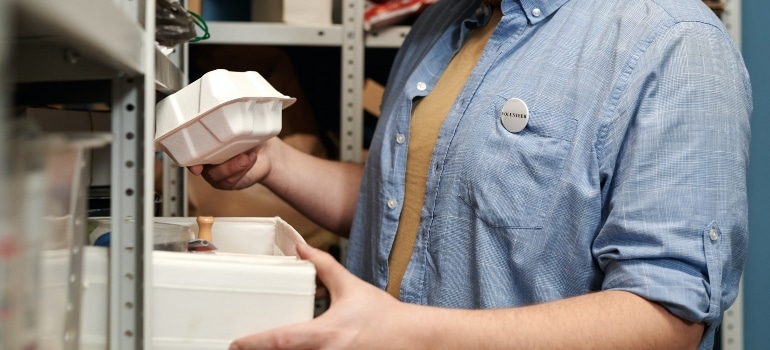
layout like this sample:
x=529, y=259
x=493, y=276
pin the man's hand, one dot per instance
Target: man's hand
x=238, y=172
x=361, y=316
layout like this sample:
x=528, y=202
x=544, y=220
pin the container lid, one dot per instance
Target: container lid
x=213, y=90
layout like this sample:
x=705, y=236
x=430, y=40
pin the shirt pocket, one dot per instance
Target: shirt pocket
x=512, y=180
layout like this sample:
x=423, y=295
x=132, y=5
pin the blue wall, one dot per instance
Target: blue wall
x=756, y=52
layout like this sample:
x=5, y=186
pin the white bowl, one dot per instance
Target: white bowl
x=217, y=117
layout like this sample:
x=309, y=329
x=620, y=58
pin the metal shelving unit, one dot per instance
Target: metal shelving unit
x=111, y=41
x=732, y=322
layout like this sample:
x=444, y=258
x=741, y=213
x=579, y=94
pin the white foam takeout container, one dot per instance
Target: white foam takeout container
x=218, y=116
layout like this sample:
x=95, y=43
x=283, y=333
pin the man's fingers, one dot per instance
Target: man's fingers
x=331, y=272
x=236, y=165
x=196, y=169
x=297, y=336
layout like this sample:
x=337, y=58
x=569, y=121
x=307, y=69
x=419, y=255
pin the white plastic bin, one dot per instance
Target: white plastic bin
x=247, y=235
x=53, y=298
x=200, y=300
x=204, y=301
x=252, y=283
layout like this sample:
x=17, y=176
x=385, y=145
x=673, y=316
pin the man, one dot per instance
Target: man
x=546, y=174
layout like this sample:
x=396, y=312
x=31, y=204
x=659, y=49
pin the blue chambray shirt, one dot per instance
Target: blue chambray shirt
x=630, y=174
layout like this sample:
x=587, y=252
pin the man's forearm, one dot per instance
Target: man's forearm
x=323, y=190
x=602, y=320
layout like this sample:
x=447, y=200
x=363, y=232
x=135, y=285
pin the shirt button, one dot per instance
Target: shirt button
x=392, y=203
x=713, y=234
x=400, y=138
x=536, y=12
x=422, y=86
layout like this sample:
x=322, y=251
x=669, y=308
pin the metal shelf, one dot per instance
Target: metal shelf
x=257, y=33
x=76, y=41
x=390, y=37
x=262, y=33
x=83, y=40
x=98, y=29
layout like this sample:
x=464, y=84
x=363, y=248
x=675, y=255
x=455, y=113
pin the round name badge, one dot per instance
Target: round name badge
x=514, y=115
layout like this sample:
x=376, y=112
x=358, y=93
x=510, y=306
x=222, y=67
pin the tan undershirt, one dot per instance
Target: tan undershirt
x=428, y=115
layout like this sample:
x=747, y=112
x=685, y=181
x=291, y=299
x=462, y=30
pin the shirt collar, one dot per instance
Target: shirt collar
x=536, y=10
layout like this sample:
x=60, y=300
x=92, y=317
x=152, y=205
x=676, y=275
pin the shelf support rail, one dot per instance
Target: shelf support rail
x=127, y=202
x=352, y=81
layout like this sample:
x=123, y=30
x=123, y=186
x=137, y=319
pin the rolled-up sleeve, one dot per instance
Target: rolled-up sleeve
x=675, y=227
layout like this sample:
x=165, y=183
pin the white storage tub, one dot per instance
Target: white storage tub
x=53, y=298
x=200, y=300
x=247, y=235
x=204, y=301
x=218, y=116
x=253, y=282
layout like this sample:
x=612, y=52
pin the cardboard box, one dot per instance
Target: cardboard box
x=373, y=96
x=267, y=11
x=307, y=12
x=294, y=12
x=195, y=6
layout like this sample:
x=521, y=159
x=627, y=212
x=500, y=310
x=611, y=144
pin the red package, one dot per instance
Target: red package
x=390, y=12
